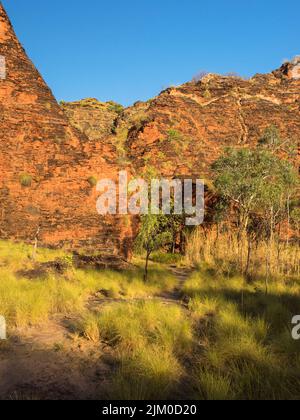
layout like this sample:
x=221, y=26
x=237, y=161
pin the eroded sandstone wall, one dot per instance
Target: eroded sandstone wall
x=46, y=163
x=189, y=126
x=184, y=129
x=178, y=133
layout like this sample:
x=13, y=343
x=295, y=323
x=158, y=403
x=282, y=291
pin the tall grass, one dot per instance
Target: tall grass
x=247, y=348
x=25, y=301
x=232, y=342
x=225, y=252
x=149, y=339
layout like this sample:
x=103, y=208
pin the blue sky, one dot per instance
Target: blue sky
x=129, y=50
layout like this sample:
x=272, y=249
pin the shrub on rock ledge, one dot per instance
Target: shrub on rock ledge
x=25, y=180
x=92, y=181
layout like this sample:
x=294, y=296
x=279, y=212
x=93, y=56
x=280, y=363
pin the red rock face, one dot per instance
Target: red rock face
x=183, y=130
x=291, y=70
x=94, y=118
x=45, y=164
x=188, y=127
x=48, y=153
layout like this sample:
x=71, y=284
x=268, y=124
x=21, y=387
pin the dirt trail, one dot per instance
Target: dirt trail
x=48, y=362
x=174, y=296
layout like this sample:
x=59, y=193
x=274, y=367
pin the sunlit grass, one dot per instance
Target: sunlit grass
x=15, y=255
x=132, y=325
x=248, y=351
x=212, y=386
x=229, y=254
x=25, y=301
x=232, y=341
x=202, y=307
x=166, y=258
x=149, y=339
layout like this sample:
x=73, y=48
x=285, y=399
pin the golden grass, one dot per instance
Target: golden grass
x=149, y=339
x=248, y=351
x=232, y=342
x=224, y=252
x=26, y=301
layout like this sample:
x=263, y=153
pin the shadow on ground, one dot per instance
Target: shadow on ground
x=29, y=371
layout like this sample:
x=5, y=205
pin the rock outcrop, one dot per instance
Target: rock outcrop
x=49, y=154
x=94, y=118
x=187, y=127
x=46, y=164
x=184, y=129
x=290, y=69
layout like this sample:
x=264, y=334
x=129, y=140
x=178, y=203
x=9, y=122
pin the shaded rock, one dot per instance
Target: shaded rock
x=100, y=262
x=93, y=118
x=43, y=270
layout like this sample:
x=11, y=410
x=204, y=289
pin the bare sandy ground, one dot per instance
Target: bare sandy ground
x=48, y=363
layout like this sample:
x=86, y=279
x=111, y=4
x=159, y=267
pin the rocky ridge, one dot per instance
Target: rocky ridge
x=50, y=154
x=47, y=164
x=185, y=128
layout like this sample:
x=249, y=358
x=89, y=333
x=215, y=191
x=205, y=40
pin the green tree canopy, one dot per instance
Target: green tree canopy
x=254, y=180
x=154, y=233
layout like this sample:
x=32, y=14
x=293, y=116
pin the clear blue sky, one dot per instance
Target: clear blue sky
x=129, y=50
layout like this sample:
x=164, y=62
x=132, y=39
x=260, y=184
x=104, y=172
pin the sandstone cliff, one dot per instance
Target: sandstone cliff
x=50, y=153
x=46, y=163
x=184, y=129
x=187, y=127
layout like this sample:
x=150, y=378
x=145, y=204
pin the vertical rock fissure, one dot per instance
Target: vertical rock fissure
x=244, y=129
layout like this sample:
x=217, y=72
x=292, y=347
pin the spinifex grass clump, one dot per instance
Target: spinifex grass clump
x=32, y=300
x=166, y=258
x=149, y=340
x=248, y=350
